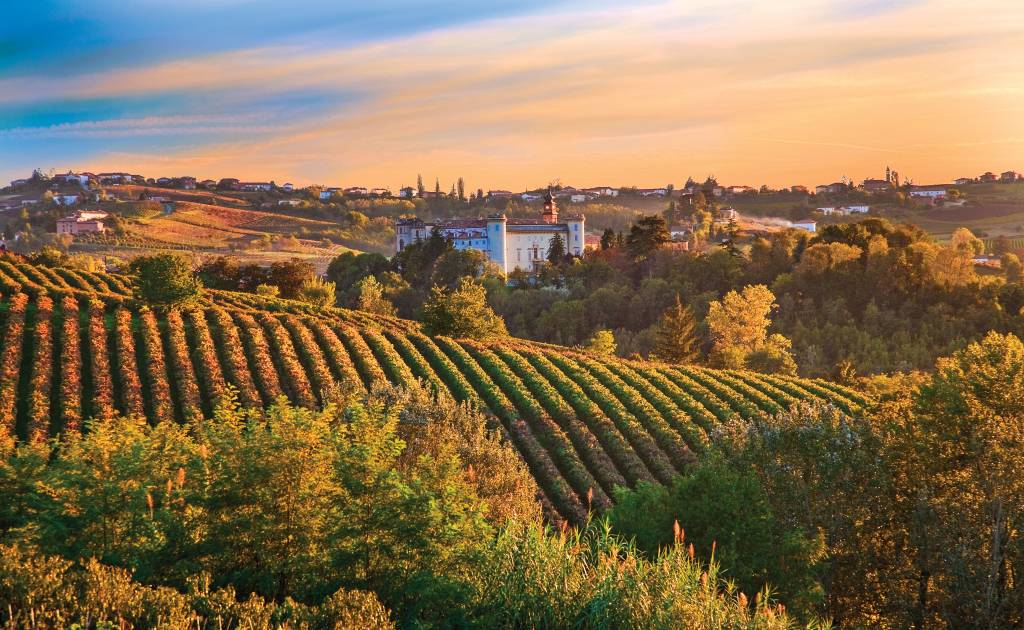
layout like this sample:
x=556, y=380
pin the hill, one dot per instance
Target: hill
x=75, y=345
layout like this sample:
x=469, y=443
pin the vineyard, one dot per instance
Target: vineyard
x=75, y=346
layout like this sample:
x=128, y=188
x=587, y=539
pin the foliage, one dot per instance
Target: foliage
x=738, y=326
x=318, y=292
x=677, y=340
x=462, y=312
x=602, y=343
x=165, y=280
x=371, y=297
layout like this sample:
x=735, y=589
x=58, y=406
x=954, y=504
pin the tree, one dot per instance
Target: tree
x=371, y=297
x=318, y=292
x=963, y=240
x=602, y=343
x=289, y=276
x=556, y=249
x=607, y=239
x=647, y=235
x=419, y=186
x=1012, y=267
x=738, y=327
x=676, y=337
x=732, y=233
x=461, y=186
x=165, y=280
x=461, y=312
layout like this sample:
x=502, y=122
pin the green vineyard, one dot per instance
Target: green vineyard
x=75, y=345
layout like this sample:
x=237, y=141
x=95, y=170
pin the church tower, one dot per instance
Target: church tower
x=550, y=214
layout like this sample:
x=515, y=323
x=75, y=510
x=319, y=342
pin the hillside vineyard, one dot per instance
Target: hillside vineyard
x=74, y=345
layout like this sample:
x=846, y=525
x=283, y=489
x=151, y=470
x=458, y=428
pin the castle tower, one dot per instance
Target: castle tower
x=496, y=236
x=550, y=214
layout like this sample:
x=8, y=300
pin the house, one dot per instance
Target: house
x=528, y=196
x=407, y=192
x=66, y=200
x=163, y=181
x=963, y=181
x=830, y=210
x=860, y=209
x=592, y=242
x=381, y=192
x=288, y=187
x=355, y=191
x=987, y=178
x=934, y=191
x=508, y=243
x=739, y=190
x=578, y=198
x=188, y=183
x=18, y=182
x=289, y=202
x=830, y=189
x=327, y=193
x=1009, y=176
x=73, y=178
x=229, y=183
x=256, y=186
x=82, y=222
x=209, y=184
x=799, y=189
x=876, y=185
x=496, y=194
x=603, y=191
x=729, y=214
x=652, y=192
x=807, y=226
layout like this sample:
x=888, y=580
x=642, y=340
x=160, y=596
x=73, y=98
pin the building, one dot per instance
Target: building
x=934, y=191
x=163, y=181
x=229, y=183
x=876, y=185
x=81, y=179
x=987, y=178
x=807, y=226
x=500, y=194
x=509, y=243
x=209, y=184
x=256, y=186
x=407, y=192
x=327, y=193
x=188, y=183
x=1008, y=176
x=653, y=192
x=830, y=189
x=82, y=222
x=116, y=178
x=66, y=200
x=381, y=192
x=602, y=191
x=729, y=214
x=739, y=190
x=799, y=189
x=578, y=197
x=355, y=191
x=289, y=202
x=857, y=209
x=963, y=181
x=288, y=187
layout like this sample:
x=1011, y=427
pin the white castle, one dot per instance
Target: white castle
x=509, y=243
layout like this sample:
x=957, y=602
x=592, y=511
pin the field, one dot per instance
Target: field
x=74, y=345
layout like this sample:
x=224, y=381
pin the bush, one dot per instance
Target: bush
x=165, y=280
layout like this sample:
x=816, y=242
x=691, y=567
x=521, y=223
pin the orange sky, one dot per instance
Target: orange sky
x=795, y=92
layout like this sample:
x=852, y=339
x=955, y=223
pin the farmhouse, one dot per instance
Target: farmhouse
x=188, y=183
x=407, y=192
x=81, y=179
x=934, y=191
x=327, y=193
x=288, y=187
x=509, y=243
x=739, y=190
x=603, y=191
x=876, y=185
x=807, y=226
x=1009, y=176
x=256, y=186
x=355, y=190
x=830, y=189
x=652, y=192
x=500, y=194
x=116, y=178
x=987, y=177
x=82, y=222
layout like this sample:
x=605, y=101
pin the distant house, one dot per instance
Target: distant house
x=208, y=184
x=603, y=191
x=934, y=191
x=1008, y=176
x=381, y=192
x=857, y=209
x=987, y=177
x=229, y=183
x=876, y=185
x=66, y=200
x=116, y=178
x=807, y=226
x=188, y=183
x=163, y=181
x=497, y=194
x=799, y=189
x=81, y=179
x=830, y=189
x=355, y=190
x=578, y=197
x=18, y=182
x=529, y=196
x=739, y=190
x=81, y=223
x=963, y=181
x=256, y=186
x=288, y=187
x=652, y=192
x=407, y=192
x=327, y=193
x=289, y=202
x=729, y=214
x=829, y=210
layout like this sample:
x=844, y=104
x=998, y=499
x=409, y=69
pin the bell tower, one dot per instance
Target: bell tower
x=550, y=214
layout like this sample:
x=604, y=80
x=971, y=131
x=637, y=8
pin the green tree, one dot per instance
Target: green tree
x=556, y=250
x=738, y=326
x=1012, y=267
x=602, y=343
x=676, y=337
x=289, y=276
x=461, y=312
x=648, y=234
x=607, y=239
x=371, y=297
x=318, y=292
x=420, y=189
x=165, y=280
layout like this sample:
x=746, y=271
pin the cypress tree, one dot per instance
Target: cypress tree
x=676, y=338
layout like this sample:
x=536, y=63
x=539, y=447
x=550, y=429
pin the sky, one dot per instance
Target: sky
x=513, y=94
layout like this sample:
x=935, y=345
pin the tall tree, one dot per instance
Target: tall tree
x=608, y=238
x=556, y=249
x=676, y=337
x=647, y=235
x=461, y=185
x=420, y=189
x=462, y=312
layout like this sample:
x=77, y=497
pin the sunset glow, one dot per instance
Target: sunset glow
x=800, y=91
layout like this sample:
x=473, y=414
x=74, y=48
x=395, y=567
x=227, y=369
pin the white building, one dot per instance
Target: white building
x=81, y=223
x=578, y=198
x=327, y=193
x=603, y=191
x=509, y=243
x=65, y=200
x=929, y=191
x=288, y=187
x=807, y=226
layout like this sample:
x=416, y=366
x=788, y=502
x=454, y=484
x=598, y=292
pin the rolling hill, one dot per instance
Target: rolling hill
x=75, y=345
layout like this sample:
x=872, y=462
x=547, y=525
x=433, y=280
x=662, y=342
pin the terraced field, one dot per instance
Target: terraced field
x=74, y=345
